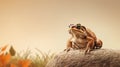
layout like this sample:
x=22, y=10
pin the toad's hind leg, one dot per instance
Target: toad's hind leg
x=98, y=44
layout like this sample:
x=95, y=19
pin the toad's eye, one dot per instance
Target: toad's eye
x=78, y=27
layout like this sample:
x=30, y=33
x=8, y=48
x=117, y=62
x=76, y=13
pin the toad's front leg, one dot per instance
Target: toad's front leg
x=90, y=45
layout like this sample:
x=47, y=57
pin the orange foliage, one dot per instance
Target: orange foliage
x=24, y=63
x=5, y=58
x=12, y=65
x=4, y=48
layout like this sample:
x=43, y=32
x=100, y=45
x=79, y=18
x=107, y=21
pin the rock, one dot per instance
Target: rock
x=77, y=58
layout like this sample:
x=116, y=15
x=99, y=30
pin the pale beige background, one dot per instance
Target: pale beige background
x=43, y=24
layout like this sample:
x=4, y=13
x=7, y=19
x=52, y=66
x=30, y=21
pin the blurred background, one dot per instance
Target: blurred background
x=43, y=24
